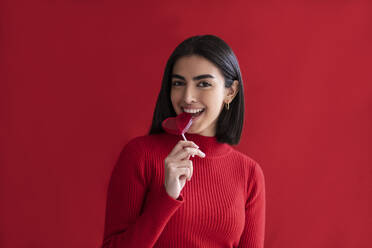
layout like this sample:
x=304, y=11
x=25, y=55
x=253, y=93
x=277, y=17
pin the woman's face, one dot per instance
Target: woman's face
x=198, y=84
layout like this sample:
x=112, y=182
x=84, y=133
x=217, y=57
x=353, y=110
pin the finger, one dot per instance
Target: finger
x=187, y=152
x=180, y=145
x=200, y=154
x=191, y=170
x=173, y=165
x=183, y=172
x=196, y=152
x=184, y=154
x=187, y=164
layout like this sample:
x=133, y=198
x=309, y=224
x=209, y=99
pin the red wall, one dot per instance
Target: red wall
x=78, y=79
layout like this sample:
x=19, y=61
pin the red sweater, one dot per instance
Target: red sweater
x=223, y=205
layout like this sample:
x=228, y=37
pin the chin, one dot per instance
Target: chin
x=190, y=131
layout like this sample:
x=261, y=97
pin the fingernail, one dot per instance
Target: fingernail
x=193, y=155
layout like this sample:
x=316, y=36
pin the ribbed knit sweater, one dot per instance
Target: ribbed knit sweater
x=223, y=205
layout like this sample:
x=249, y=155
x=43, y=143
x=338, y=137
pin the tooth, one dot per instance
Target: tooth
x=193, y=111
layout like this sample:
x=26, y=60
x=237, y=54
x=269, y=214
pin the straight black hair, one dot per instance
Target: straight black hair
x=230, y=122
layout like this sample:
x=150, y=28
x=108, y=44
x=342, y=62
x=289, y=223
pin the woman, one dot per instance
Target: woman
x=167, y=192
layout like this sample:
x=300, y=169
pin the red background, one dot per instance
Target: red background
x=81, y=78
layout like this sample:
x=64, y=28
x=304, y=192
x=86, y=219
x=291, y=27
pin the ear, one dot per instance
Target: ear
x=232, y=91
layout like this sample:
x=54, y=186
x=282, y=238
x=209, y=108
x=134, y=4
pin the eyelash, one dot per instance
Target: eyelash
x=205, y=83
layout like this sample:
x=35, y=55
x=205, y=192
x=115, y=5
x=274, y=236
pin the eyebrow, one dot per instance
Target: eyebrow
x=194, y=78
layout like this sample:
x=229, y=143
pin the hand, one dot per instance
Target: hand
x=178, y=167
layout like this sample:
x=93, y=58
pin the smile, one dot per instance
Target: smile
x=194, y=112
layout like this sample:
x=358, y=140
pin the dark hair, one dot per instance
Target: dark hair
x=230, y=122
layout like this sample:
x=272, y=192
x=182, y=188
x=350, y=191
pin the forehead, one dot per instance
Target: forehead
x=194, y=65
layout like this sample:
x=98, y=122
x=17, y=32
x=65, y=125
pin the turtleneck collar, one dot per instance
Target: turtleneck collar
x=207, y=144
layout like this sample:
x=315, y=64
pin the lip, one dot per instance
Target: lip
x=196, y=118
x=191, y=108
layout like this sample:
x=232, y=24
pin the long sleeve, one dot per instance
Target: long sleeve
x=135, y=216
x=254, y=229
x=222, y=206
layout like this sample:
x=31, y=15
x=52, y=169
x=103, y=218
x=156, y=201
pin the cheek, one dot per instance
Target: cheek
x=173, y=97
x=214, y=111
x=174, y=100
x=214, y=102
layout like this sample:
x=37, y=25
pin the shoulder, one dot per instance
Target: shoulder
x=250, y=165
x=148, y=145
x=254, y=176
x=244, y=158
x=140, y=154
x=137, y=150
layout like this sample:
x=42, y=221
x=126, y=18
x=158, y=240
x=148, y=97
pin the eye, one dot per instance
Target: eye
x=205, y=84
x=176, y=83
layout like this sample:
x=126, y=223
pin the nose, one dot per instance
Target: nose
x=189, y=94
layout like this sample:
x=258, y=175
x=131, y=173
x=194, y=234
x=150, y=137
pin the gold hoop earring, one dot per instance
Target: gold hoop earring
x=227, y=106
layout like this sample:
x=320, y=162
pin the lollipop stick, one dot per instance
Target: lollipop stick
x=184, y=137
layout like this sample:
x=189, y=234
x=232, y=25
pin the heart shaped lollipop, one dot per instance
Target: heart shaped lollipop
x=178, y=125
